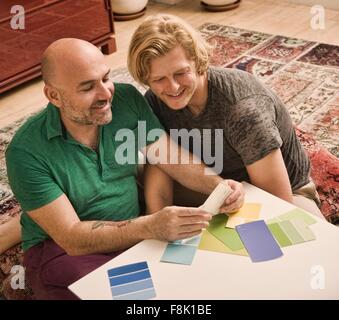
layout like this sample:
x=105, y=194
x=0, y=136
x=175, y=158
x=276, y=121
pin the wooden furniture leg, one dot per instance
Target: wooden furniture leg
x=109, y=47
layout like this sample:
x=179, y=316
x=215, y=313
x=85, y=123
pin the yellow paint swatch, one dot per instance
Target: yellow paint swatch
x=247, y=213
x=210, y=243
x=232, y=222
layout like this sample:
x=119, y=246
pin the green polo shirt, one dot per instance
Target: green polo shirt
x=44, y=162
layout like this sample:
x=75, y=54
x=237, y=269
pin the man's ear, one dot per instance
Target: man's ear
x=53, y=95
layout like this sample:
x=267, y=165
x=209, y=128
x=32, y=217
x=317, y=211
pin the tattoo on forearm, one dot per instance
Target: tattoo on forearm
x=100, y=224
x=123, y=223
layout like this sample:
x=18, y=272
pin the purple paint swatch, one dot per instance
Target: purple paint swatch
x=258, y=241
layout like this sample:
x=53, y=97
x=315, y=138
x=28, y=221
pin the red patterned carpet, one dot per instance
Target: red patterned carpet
x=304, y=74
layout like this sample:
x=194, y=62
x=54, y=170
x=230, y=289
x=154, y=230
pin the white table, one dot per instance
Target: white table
x=214, y=275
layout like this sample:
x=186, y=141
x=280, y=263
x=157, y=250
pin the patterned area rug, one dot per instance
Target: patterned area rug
x=304, y=74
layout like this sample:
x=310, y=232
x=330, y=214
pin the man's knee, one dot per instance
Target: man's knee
x=307, y=204
x=50, y=273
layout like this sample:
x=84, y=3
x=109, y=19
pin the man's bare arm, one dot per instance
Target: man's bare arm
x=158, y=189
x=76, y=237
x=270, y=174
x=10, y=233
x=192, y=175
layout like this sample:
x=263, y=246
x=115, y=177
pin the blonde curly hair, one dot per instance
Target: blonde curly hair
x=157, y=36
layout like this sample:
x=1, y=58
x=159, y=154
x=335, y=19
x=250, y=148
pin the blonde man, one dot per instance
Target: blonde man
x=259, y=142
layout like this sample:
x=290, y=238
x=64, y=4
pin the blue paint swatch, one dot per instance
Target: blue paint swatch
x=131, y=282
x=127, y=269
x=179, y=254
x=258, y=241
x=138, y=295
x=181, y=251
x=130, y=277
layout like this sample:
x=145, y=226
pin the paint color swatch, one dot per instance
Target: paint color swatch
x=279, y=234
x=294, y=214
x=226, y=235
x=210, y=243
x=249, y=210
x=303, y=229
x=193, y=241
x=247, y=213
x=181, y=251
x=293, y=231
x=258, y=241
x=131, y=282
x=298, y=213
x=232, y=222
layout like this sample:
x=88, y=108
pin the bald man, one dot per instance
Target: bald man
x=80, y=205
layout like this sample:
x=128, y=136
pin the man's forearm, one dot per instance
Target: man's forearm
x=156, y=202
x=192, y=176
x=158, y=189
x=183, y=166
x=90, y=237
x=10, y=233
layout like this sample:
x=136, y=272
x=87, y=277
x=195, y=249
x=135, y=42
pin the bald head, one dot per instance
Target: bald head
x=66, y=55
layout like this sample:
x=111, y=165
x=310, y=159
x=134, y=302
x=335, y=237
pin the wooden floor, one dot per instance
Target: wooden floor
x=271, y=16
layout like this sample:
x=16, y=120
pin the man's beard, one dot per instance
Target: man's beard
x=86, y=117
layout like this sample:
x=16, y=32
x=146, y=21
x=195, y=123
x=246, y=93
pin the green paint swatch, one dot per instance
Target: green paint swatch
x=291, y=231
x=228, y=236
x=292, y=227
x=303, y=229
x=298, y=213
x=279, y=235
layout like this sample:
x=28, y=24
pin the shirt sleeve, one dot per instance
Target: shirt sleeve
x=252, y=128
x=30, y=180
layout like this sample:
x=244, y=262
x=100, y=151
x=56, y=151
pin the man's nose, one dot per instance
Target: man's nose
x=106, y=91
x=173, y=85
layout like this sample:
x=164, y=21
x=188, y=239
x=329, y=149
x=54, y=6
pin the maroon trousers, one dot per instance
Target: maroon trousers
x=49, y=270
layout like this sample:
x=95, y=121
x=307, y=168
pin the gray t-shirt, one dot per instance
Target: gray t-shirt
x=254, y=123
